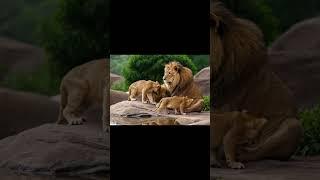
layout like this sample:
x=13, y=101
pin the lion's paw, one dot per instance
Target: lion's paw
x=76, y=121
x=236, y=165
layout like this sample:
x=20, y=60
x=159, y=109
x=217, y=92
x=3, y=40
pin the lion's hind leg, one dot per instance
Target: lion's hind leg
x=196, y=107
x=73, y=107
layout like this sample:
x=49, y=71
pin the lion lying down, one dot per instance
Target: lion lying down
x=82, y=86
x=179, y=82
x=242, y=79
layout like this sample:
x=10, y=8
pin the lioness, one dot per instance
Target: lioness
x=80, y=87
x=175, y=103
x=179, y=81
x=233, y=129
x=145, y=89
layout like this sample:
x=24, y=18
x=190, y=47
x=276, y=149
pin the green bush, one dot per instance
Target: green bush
x=39, y=81
x=206, y=103
x=200, y=61
x=120, y=86
x=77, y=33
x=310, y=120
x=151, y=67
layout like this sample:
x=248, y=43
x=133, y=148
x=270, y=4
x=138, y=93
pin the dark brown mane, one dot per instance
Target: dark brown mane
x=237, y=47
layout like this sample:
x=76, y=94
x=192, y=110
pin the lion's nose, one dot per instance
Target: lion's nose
x=164, y=78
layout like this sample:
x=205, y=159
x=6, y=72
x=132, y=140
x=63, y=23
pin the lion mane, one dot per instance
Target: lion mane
x=179, y=81
x=242, y=79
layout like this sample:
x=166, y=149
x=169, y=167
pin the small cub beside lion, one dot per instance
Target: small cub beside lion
x=177, y=103
x=145, y=89
x=233, y=130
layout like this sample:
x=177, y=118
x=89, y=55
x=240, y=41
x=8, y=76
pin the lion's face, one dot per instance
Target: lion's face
x=171, y=76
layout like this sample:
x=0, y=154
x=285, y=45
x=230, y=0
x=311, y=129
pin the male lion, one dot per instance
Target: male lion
x=233, y=130
x=242, y=79
x=82, y=86
x=179, y=81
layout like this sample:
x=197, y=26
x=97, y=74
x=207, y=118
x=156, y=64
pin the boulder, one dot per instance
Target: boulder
x=202, y=78
x=20, y=57
x=117, y=96
x=22, y=110
x=114, y=78
x=53, y=149
x=138, y=113
x=295, y=57
x=295, y=169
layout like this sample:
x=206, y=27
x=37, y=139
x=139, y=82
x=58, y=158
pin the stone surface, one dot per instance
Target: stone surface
x=117, y=96
x=57, y=149
x=202, y=78
x=21, y=110
x=114, y=78
x=137, y=113
x=19, y=57
x=295, y=57
x=296, y=169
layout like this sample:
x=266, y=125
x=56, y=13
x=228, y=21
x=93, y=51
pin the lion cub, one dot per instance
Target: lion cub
x=233, y=129
x=145, y=89
x=175, y=103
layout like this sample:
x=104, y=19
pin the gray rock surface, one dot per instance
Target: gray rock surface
x=138, y=113
x=296, y=169
x=295, y=57
x=21, y=110
x=202, y=78
x=57, y=149
x=117, y=96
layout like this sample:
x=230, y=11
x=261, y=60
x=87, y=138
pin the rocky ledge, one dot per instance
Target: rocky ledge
x=137, y=113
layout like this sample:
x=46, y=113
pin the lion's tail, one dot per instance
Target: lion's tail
x=63, y=103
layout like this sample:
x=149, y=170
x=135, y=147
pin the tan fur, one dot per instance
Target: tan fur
x=177, y=103
x=232, y=130
x=179, y=81
x=242, y=79
x=80, y=87
x=145, y=89
x=164, y=92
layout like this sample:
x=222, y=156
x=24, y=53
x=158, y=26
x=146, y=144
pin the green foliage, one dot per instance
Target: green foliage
x=206, y=103
x=291, y=12
x=77, y=33
x=39, y=81
x=200, y=61
x=21, y=20
x=117, y=62
x=120, y=86
x=259, y=12
x=310, y=119
x=151, y=67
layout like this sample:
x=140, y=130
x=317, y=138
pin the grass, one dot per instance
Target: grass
x=206, y=103
x=310, y=119
x=120, y=86
x=39, y=81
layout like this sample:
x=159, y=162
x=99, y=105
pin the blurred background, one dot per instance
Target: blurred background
x=40, y=40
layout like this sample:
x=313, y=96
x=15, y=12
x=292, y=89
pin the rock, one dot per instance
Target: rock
x=117, y=96
x=114, y=78
x=137, y=113
x=21, y=110
x=202, y=78
x=295, y=57
x=57, y=149
x=300, y=37
x=56, y=98
x=20, y=57
x=295, y=169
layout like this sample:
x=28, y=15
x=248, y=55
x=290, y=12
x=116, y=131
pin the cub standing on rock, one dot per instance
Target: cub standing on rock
x=238, y=129
x=82, y=86
x=145, y=89
x=175, y=103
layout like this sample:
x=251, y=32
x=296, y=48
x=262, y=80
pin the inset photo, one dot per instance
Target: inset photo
x=159, y=90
